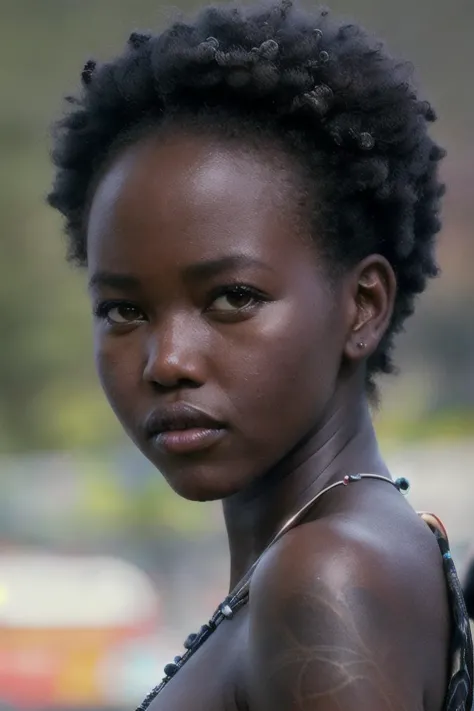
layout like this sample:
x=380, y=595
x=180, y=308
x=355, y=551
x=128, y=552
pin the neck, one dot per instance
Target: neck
x=344, y=443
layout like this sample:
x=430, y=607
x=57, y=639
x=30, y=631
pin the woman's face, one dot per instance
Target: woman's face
x=218, y=336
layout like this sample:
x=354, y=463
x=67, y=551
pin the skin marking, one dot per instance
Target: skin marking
x=349, y=663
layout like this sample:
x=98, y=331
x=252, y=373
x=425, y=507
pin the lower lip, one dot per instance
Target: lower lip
x=189, y=441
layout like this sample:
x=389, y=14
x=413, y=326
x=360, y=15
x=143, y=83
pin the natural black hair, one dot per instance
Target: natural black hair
x=326, y=91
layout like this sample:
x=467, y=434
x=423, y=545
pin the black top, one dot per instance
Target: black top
x=459, y=695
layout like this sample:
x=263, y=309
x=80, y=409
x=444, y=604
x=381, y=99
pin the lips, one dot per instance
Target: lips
x=183, y=429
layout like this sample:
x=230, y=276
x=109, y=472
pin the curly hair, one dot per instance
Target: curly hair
x=328, y=92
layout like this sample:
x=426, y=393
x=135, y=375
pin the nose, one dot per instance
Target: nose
x=173, y=357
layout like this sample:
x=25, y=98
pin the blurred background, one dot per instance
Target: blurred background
x=103, y=571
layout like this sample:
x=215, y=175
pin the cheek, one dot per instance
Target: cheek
x=290, y=368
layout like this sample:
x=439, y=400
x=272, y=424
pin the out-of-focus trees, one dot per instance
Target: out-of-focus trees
x=49, y=397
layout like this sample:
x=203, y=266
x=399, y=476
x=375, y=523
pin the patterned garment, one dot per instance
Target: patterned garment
x=459, y=695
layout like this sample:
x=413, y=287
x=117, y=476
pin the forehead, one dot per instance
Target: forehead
x=187, y=197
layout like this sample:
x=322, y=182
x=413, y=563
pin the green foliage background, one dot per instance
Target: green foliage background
x=49, y=397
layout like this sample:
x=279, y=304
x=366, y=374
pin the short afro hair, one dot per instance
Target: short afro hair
x=327, y=91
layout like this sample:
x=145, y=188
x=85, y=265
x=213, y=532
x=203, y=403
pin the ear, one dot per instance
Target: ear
x=373, y=288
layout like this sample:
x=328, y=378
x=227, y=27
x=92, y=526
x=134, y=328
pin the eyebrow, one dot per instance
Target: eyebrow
x=212, y=267
x=126, y=282
x=194, y=272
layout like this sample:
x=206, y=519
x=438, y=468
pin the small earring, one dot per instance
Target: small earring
x=361, y=344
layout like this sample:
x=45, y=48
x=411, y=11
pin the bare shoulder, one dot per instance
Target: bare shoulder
x=339, y=618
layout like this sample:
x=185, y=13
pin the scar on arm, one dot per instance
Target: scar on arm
x=330, y=646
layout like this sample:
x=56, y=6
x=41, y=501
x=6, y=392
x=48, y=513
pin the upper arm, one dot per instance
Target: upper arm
x=327, y=632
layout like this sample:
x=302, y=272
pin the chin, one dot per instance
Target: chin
x=197, y=481
x=193, y=477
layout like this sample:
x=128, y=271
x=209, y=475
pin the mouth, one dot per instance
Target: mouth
x=183, y=429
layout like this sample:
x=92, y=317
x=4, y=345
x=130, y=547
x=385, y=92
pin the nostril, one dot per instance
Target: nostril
x=183, y=384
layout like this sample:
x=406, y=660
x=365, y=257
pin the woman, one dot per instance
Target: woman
x=255, y=198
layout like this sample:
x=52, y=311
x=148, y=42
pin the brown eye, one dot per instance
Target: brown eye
x=234, y=299
x=124, y=314
x=119, y=313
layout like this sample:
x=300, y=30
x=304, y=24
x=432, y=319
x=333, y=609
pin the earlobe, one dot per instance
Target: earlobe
x=374, y=295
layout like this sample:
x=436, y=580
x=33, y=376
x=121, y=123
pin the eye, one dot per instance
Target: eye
x=235, y=298
x=119, y=312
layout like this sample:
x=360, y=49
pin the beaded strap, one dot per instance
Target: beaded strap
x=240, y=594
x=459, y=695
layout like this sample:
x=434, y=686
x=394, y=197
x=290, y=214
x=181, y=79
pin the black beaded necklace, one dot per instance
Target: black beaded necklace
x=240, y=594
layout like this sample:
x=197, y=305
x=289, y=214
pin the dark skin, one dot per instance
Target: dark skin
x=209, y=291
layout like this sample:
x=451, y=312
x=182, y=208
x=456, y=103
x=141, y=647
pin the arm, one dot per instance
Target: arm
x=330, y=631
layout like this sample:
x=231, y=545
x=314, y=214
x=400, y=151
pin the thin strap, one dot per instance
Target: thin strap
x=296, y=518
x=239, y=596
x=459, y=694
x=241, y=590
x=435, y=523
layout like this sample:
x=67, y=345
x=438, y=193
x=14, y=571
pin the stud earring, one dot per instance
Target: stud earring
x=361, y=345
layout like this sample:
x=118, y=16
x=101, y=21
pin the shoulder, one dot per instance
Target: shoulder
x=332, y=617
x=469, y=588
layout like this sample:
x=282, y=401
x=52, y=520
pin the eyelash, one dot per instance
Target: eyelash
x=237, y=290
x=102, y=309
